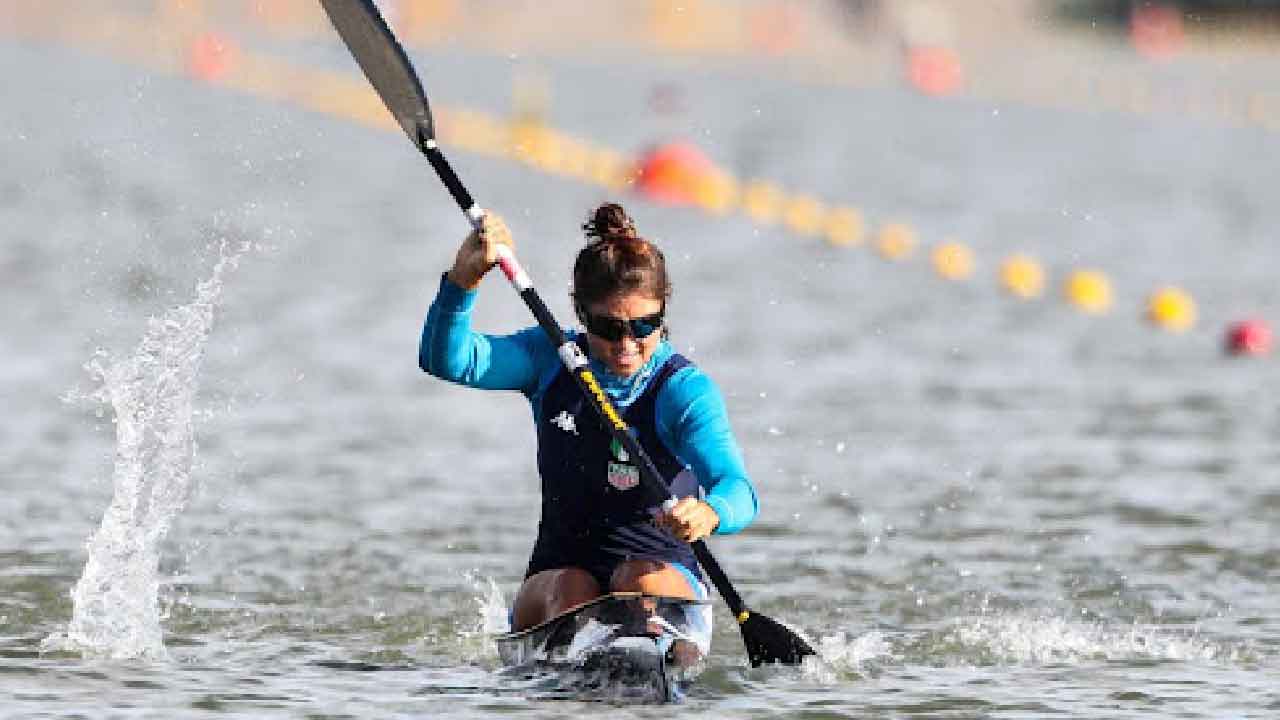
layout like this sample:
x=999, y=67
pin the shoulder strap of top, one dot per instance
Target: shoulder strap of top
x=674, y=364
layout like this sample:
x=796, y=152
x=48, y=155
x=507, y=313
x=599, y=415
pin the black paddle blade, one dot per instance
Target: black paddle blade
x=384, y=62
x=769, y=641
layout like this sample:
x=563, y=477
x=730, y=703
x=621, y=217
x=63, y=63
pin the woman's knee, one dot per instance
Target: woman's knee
x=546, y=594
x=650, y=576
x=577, y=583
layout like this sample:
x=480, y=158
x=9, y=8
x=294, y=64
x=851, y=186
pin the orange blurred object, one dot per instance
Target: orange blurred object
x=671, y=173
x=934, y=70
x=775, y=28
x=1248, y=337
x=211, y=56
x=1156, y=30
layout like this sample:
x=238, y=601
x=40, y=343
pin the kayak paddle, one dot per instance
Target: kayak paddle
x=388, y=69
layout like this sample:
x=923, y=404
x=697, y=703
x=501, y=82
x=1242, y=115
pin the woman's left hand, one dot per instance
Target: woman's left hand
x=690, y=519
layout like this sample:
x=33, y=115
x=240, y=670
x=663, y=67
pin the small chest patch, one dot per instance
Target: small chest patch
x=622, y=476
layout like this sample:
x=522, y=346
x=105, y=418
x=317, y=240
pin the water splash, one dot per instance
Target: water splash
x=494, y=617
x=116, y=601
x=490, y=618
x=842, y=657
x=1026, y=639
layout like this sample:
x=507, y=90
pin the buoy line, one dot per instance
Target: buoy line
x=674, y=174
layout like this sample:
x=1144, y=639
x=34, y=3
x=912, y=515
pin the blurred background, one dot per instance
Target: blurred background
x=1150, y=64
x=989, y=288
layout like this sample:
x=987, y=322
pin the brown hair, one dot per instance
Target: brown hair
x=617, y=260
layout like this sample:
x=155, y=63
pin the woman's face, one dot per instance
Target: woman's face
x=627, y=354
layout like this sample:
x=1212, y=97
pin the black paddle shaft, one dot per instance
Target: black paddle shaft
x=450, y=179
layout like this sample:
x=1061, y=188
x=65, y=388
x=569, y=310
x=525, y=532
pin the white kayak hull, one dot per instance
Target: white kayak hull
x=623, y=645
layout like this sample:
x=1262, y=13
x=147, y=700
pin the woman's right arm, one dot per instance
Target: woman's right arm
x=450, y=350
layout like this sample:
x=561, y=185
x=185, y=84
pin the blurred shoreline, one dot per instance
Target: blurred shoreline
x=1214, y=68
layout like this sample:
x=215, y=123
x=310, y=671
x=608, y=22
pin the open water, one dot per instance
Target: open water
x=221, y=466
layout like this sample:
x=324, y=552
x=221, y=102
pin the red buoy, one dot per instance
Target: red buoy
x=1248, y=337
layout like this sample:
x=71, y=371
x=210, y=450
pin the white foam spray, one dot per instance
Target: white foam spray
x=1027, y=639
x=842, y=656
x=116, y=611
x=476, y=631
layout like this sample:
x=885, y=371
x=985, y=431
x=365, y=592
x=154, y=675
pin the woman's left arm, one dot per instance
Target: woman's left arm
x=693, y=422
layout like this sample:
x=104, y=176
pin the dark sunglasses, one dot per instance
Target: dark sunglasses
x=613, y=329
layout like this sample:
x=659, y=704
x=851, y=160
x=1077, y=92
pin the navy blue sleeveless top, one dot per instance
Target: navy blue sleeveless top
x=595, y=512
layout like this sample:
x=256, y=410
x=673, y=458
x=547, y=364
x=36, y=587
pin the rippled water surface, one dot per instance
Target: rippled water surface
x=974, y=507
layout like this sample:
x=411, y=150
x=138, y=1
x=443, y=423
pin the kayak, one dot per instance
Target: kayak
x=627, y=646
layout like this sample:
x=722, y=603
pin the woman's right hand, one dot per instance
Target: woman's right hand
x=479, y=252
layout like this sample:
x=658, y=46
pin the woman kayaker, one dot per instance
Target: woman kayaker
x=599, y=531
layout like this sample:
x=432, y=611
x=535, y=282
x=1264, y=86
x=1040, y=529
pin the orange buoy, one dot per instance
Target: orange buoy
x=211, y=56
x=671, y=173
x=934, y=70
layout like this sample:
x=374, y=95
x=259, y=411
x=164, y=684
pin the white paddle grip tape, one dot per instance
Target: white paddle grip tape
x=571, y=355
x=670, y=503
x=511, y=268
x=475, y=214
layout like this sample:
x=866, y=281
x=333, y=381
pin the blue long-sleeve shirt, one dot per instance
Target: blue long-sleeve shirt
x=689, y=410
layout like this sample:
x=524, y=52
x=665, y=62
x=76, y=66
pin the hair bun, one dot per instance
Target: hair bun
x=610, y=221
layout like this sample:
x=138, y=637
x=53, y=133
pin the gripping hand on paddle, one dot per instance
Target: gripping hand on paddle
x=479, y=252
x=690, y=519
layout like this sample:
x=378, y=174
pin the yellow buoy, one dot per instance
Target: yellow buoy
x=547, y=153
x=1089, y=290
x=896, y=241
x=574, y=158
x=1022, y=276
x=609, y=169
x=715, y=191
x=844, y=226
x=524, y=137
x=953, y=260
x=762, y=201
x=1171, y=308
x=803, y=215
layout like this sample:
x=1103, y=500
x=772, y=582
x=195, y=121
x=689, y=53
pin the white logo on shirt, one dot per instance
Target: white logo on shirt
x=565, y=422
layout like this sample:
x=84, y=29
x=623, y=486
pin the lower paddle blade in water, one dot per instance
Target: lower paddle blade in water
x=769, y=641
